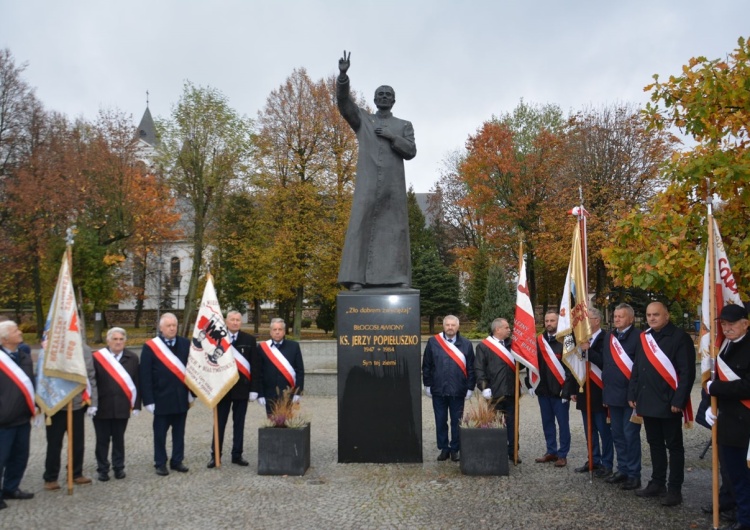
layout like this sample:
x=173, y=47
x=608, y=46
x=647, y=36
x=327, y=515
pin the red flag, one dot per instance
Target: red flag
x=523, y=345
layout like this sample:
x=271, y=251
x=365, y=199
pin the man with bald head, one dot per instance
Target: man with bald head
x=376, y=248
x=659, y=390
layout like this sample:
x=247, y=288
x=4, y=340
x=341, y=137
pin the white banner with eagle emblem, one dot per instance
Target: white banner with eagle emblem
x=211, y=369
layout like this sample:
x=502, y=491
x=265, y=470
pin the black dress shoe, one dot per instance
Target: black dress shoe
x=102, y=477
x=728, y=515
x=182, y=468
x=673, y=498
x=454, y=456
x=162, y=470
x=119, y=474
x=736, y=526
x=602, y=472
x=18, y=494
x=652, y=490
x=631, y=484
x=240, y=461
x=211, y=463
x=616, y=478
x=443, y=456
x=583, y=469
x=3, y=505
x=708, y=509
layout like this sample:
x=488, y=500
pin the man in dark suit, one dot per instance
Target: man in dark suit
x=556, y=385
x=601, y=435
x=731, y=386
x=281, y=367
x=246, y=389
x=449, y=379
x=617, y=357
x=659, y=390
x=495, y=369
x=17, y=397
x=117, y=382
x=164, y=393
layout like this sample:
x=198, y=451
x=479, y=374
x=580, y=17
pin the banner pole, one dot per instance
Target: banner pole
x=217, y=448
x=516, y=405
x=712, y=349
x=70, y=447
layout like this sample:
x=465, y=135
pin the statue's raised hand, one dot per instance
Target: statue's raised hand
x=344, y=63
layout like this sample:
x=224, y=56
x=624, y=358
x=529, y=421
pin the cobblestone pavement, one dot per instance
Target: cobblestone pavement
x=331, y=495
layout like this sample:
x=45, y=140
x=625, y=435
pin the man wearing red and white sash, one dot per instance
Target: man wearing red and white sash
x=601, y=434
x=495, y=369
x=732, y=390
x=448, y=377
x=17, y=397
x=556, y=385
x=164, y=393
x=117, y=383
x=280, y=367
x=659, y=390
x=246, y=389
x=617, y=356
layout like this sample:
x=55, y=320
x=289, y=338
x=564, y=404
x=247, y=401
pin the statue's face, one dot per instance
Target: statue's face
x=385, y=97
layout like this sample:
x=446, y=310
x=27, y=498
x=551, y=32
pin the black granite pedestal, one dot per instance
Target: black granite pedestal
x=379, y=376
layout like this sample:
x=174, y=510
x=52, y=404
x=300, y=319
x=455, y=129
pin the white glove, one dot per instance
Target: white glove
x=38, y=419
x=91, y=412
x=253, y=396
x=710, y=418
x=469, y=393
x=427, y=392
x=151, y=408
x=262, y=401
x=531, y=392
x=295, y=398
x=708, y=387
x=191, y=397
x=487, y=393
x=564, y=401
x=136, y=412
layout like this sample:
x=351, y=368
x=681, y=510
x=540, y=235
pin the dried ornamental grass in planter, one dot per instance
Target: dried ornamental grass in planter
x=484, y=439
x=284, y=439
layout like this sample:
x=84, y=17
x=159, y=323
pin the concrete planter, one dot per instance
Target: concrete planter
x=283, y=451
x=484, y=451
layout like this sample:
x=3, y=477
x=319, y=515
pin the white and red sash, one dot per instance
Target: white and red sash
x=725, y=373
x=19, y=377
x=117, y=372
x=167, y=358
x=500, y=350
x=620, y=356
x=454, y=353
x=665, y=368
x=595, y=373
x=280, y=362
x=551, y=359
x=242, y=365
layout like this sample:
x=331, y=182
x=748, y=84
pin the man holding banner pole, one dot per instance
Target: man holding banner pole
x=165, y=395
x=246, y=389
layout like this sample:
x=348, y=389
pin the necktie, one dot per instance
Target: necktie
x=170, y=342
x=276, y=344
x=620, y=335
x=234, y=337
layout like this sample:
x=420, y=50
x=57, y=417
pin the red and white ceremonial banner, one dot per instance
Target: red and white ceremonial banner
x=116, y=371
x=454, y=353
x=523, y=345
x=63, y=354
x=501, y=351
x=280, y=362
x=19, y=378
x=211, y=369
x=725, y=293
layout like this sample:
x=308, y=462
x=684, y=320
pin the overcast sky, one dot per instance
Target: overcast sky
x=453, y=64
